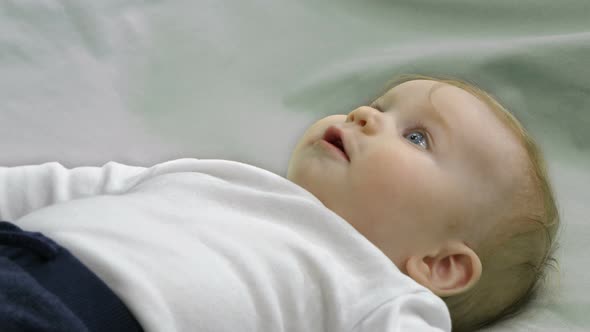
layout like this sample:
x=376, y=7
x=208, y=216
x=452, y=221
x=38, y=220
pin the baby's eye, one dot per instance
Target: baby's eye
x=418, y=137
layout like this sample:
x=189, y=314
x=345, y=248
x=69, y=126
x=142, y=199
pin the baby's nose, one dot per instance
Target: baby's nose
x=366, y=117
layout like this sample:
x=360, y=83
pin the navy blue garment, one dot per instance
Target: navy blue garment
x=44, y=288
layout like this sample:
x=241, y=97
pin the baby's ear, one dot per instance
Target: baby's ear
x=452, y=270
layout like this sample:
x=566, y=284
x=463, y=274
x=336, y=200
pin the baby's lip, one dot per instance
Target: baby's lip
x=333, y=134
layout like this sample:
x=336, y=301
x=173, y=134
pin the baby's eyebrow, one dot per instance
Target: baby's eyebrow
x=435, y=112
x=432, y=110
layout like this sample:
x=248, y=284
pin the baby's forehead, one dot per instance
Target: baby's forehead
x=420, y=87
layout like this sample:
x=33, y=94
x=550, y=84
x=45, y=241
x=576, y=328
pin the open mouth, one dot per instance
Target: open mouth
x=334, y=136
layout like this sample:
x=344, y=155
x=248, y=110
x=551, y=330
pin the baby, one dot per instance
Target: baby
x=429, y=206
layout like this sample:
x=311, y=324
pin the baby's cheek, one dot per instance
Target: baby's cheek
x=382, y=179
x=404, y=179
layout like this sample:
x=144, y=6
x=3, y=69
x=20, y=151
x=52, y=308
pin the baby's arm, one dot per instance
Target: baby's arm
x=24, y=189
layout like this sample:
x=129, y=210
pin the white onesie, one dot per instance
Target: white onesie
x=217, y=245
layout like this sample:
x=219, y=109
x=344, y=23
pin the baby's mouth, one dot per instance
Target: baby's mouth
x=334, y=136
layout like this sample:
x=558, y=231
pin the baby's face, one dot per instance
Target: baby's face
x=419, y=172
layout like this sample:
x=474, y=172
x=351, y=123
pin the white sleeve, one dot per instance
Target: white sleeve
x=24, y=189
x=411, y=312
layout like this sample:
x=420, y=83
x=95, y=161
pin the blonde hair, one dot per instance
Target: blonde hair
x=516, y=256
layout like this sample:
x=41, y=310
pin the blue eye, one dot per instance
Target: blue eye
x=418, y=138
x=417, y=135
